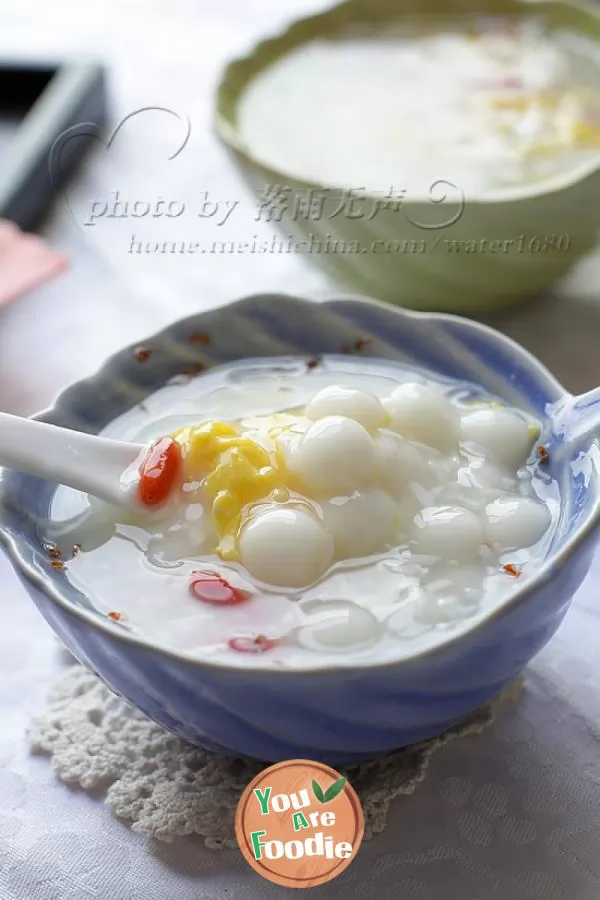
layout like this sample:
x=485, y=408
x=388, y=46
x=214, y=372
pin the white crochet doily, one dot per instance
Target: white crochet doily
x=166, y=787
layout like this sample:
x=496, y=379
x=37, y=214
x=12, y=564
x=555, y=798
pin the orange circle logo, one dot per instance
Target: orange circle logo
x=299, y=823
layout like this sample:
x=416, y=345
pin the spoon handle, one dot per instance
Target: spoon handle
x=578, y=420
x=81, y=461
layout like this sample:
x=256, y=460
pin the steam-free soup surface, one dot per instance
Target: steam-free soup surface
x=400, y=509
x=485, y=103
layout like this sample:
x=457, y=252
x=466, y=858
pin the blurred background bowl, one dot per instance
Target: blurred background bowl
x=551, y=224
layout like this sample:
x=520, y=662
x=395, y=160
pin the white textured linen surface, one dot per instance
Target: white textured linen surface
x=512, y=814
x=166, y=788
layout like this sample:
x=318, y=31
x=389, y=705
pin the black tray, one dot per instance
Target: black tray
x=41, y=108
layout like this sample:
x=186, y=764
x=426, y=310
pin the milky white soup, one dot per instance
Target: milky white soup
x=354, y=512
x=485, y=103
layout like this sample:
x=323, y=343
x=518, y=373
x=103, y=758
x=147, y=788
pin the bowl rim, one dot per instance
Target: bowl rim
x=229, y=133
x=112, y=630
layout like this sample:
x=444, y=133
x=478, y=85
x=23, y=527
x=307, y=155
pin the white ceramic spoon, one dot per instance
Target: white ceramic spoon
x=96, y=465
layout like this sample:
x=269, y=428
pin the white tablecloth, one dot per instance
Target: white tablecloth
x=513, y=814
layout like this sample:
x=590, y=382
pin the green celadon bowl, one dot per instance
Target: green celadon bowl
x=440, y=251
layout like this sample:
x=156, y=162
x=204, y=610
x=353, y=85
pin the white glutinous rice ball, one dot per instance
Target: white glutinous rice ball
x=362, y=524
x=453, y=582
x=448, y=532
x=486, y=476
x=477, y=483
x=288, y=440
x=399, y=463
x=337, y=400
x=422, y=413
x=502, y=434
x=286, y=546
x=338, y=625
x=335, y=456
x=513, y=522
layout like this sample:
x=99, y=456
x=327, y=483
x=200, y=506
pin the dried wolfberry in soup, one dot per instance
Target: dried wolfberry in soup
x=159, y=471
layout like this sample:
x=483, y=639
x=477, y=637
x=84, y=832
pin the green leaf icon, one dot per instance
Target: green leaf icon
x=318, y=792
x=334, y=789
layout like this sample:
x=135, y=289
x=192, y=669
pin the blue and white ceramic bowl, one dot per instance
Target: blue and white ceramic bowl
x=335, y=715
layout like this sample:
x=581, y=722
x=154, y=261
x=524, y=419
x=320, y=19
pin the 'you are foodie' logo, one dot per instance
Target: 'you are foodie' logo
x=299, y=823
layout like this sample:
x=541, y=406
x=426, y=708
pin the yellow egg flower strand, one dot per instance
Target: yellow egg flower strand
x=234, y=471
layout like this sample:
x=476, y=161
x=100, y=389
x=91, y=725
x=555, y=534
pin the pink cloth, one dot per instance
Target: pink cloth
x=26, y=261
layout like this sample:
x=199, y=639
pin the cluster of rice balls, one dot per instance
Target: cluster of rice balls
x=352, y=475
